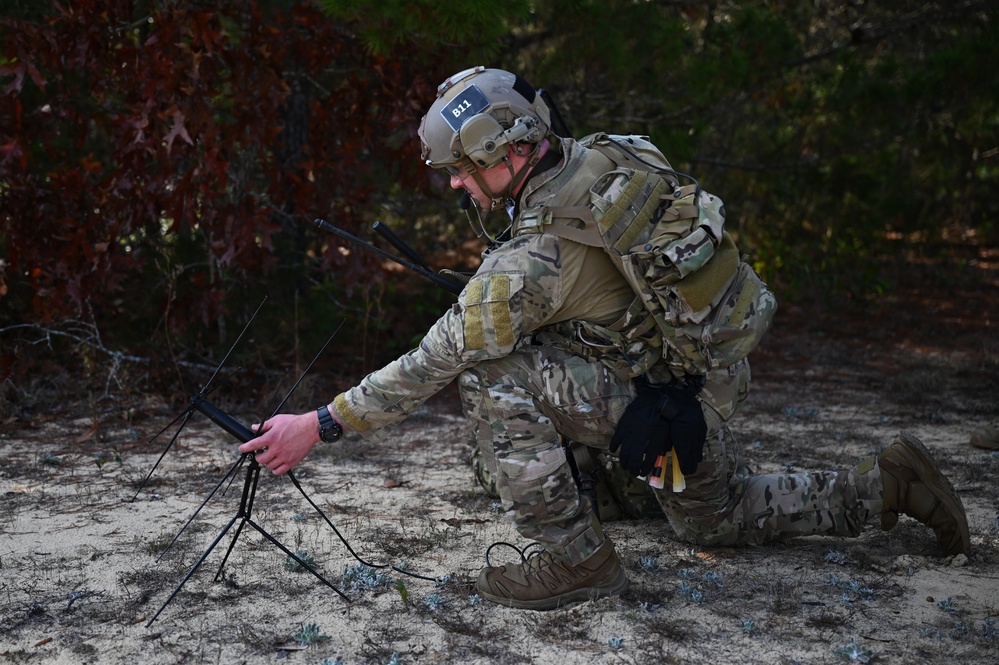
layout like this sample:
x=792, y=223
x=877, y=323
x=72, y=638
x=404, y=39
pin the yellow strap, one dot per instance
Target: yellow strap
x=679, y=482
x=344, y=411
x=660, y=468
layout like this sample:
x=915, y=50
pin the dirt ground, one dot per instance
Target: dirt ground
x=84, y=577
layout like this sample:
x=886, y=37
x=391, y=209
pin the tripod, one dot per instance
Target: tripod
x=244, y=514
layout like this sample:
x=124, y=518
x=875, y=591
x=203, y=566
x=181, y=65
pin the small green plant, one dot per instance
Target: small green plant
x=930, y=633
x=361, y=577
x=846, y=600
x=853, y=651
x=961, y=629
x=861, y=591
x=293, y=566
x=691, y=592
x=947, y=605
x=989, y=630
x=440, y=537
x=400, y=586
x=713, y=578
x=309, y=635
x=103, y=457
x=837, y=557
x=649, y=563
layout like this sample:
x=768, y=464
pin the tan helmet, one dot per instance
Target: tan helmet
x=477, y=114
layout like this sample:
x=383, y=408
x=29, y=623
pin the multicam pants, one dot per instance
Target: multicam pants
x=524, y=405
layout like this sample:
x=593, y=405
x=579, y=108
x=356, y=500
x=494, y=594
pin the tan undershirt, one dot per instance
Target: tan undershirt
x=596, y=290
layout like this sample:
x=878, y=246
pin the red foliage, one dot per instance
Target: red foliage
x=190, y=139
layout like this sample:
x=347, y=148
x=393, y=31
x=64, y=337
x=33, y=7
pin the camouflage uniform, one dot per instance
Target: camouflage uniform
x=524, y=342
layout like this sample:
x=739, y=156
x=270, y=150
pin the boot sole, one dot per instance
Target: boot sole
x=617, y=586
x=921, y=461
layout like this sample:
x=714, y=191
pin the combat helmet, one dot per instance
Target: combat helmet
x=478, y=113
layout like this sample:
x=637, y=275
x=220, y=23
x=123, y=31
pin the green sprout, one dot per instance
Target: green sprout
x=400, y=586
x=691, y=592
x=361, y=577
x=853, y=651
x=649, y=563
x=947, y=605
x=293, y=566
x=309, y=635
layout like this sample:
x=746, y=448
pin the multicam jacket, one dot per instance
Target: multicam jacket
x=535, y=288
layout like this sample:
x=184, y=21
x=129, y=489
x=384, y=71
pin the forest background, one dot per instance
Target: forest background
x=161, y=162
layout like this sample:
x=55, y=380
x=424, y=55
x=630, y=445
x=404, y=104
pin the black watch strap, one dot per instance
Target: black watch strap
x=329, y=429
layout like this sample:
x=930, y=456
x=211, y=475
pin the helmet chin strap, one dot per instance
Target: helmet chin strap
x=477, y=221
x=503, y=199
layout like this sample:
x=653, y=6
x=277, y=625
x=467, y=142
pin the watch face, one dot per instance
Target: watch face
x=332, y=432
x=329, y=429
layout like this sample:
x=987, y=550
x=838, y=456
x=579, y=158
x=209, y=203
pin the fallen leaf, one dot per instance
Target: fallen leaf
x=89, y=434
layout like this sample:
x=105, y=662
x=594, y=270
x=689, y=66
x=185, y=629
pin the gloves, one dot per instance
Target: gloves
x=661, y=418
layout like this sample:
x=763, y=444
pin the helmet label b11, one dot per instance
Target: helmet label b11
x=468, y=103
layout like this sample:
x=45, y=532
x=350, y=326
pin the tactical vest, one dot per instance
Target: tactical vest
x=698, y=303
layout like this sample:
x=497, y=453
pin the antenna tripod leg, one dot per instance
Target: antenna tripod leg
x=195, y=568
x=244, y=516
x=245, y=507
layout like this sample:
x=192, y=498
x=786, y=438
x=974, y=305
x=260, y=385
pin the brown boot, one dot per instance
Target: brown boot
x=542, y=582
x=914, y=486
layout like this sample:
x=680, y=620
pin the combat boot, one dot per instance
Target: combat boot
x=913, y=485
x=544, y=582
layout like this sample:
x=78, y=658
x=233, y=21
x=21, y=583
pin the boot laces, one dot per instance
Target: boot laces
x=542, y=566
x=528, y=553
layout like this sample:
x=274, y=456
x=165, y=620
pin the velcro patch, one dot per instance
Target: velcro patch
x=468, y=103
x=487, y=312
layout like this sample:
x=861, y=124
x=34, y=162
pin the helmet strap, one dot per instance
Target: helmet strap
x=499, y=199
x=502, y=199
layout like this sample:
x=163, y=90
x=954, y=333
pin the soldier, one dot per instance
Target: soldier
x=542, y=346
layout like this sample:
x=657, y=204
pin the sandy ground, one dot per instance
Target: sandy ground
x=83, y=571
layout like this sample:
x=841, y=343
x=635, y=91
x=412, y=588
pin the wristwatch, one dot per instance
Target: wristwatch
x=329, y=429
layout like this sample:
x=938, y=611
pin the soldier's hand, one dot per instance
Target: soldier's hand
x=284, y=441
